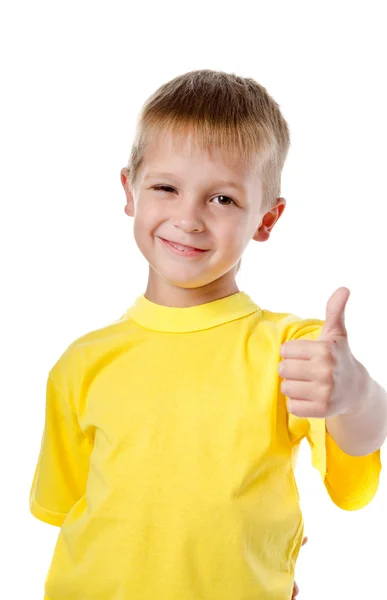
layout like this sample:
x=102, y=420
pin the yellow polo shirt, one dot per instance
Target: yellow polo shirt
x=168, y=457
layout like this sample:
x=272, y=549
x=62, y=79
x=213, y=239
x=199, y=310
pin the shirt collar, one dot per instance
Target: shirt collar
x=193, y=318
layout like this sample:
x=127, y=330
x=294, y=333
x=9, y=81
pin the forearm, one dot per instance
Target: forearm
x=364, y=431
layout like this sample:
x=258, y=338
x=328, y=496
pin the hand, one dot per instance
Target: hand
x=295, y=587
x=322, y=376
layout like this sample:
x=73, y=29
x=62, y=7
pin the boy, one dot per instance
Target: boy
x=168, y=451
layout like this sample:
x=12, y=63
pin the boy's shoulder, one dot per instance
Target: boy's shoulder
x=95, y=342
x=290, y=326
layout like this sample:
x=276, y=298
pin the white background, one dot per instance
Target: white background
x=74, y=76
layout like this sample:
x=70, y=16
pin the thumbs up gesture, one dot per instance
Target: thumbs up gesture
x=321, y=377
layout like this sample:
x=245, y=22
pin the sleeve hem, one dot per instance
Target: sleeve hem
x=352, y=503
x=328, y=456
x=45, y=515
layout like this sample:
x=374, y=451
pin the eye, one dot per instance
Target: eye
x=162, y=187
x=167, y=188
x=225, y=197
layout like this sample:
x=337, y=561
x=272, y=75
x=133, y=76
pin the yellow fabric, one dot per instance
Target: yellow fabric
x=351, y=481
x=168, y=453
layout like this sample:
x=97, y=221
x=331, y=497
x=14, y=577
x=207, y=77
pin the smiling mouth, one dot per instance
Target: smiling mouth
x=183, y=247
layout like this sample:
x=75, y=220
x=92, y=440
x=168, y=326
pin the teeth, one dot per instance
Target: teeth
x=184, y=248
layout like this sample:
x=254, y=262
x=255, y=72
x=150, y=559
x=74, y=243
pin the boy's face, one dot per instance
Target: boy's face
x=185, y=197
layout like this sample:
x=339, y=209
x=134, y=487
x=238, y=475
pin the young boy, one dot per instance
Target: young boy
x=168, y=451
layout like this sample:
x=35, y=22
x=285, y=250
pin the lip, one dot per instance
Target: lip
x=189, y=252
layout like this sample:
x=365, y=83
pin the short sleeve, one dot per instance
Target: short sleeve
x=62, y=467
x=351, y=481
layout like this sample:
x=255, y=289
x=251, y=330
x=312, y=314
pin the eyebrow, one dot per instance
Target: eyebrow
x=218, y=182
x=149, y=175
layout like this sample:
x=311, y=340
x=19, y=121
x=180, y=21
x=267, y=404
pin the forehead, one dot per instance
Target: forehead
x=167, y=154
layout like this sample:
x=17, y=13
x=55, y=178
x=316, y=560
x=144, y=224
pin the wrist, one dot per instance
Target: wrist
x=362, y=391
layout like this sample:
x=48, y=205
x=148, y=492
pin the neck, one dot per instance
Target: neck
x=162, y=292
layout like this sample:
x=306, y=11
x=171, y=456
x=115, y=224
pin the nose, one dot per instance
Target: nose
x=188, y=218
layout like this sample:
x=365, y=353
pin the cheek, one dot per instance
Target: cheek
x=232, y=234
x=141, y=231
x=146, y=219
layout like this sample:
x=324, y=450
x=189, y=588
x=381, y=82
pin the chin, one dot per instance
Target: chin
x=186, y=282
x=190, y=280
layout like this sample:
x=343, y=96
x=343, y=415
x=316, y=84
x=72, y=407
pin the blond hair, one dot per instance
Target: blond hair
x=225, y=111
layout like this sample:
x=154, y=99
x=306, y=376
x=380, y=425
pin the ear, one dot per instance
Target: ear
x=129, y=206
x=269, y=220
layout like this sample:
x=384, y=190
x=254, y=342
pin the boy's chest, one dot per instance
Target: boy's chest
x=217, y=405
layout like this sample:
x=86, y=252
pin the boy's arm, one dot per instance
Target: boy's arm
x=351, y=481
x=364, y=431
x=62, y=467
x=325, y=380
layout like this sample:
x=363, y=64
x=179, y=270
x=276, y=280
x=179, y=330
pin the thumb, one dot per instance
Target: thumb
x=334, y=326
